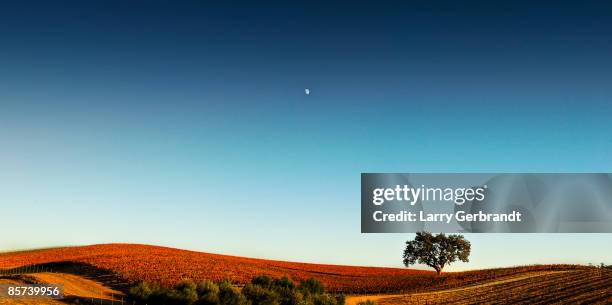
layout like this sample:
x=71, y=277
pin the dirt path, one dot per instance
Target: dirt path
x=353, y=300
x=77, y=286
x=74, y=286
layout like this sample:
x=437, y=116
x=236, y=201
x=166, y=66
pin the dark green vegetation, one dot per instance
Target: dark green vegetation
x=262, y=290
x=436, y=251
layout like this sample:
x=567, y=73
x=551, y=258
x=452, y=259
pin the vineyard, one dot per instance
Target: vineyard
x=564, y=287
x=134, y=263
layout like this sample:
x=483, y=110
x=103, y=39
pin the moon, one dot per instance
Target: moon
x=307, y=91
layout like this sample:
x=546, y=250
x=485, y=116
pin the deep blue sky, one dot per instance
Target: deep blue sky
x=186, y=124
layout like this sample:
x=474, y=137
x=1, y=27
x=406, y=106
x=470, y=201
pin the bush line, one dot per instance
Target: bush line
x=262, y=290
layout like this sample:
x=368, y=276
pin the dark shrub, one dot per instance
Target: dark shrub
x=323, y=299
x=184, y=293
x=208, y=293
x=311, y=286
x=284, y=283
x=262, y=280
x=185, y=284
x=230, y=295
x=290, y=296
x=141, y=292
x=260, y=295
x=159, y=296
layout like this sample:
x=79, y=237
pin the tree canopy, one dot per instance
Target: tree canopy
x=436, y=251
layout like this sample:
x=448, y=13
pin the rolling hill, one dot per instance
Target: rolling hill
x=117, y=264
x=164, y=265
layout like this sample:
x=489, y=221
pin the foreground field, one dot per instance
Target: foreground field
x=553, y=287
x=585, y=286
x=115, y=263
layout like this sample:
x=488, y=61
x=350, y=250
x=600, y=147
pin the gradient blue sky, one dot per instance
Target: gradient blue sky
x=186, y=124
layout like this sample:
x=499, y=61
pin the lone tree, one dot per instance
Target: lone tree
x=436, y=251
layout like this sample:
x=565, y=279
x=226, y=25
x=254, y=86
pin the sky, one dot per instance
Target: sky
x=185, y=124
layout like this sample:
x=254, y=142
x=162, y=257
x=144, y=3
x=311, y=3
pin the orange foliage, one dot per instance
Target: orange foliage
x=167, y=265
